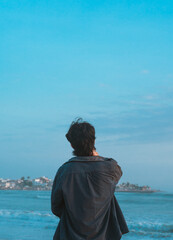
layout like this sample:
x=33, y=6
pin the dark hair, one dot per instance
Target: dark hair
x=81, y=135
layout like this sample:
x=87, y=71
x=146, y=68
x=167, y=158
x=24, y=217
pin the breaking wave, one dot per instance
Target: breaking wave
x=151, y=229
x=26, y=215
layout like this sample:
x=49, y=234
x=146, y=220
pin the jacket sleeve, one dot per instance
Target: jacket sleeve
x=57, y=202
x=117, y=171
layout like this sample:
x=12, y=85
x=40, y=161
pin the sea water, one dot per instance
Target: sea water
x=26, y=215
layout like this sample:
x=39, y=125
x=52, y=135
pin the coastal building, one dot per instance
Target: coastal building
x=44, y=183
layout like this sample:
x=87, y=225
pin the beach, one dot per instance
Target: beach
x=26, y=215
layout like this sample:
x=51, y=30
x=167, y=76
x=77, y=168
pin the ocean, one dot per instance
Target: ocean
x=26, y=215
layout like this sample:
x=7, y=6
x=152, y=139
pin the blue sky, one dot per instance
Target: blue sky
x=109, y=62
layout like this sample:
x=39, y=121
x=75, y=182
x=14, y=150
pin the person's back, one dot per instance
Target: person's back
x=83, y=194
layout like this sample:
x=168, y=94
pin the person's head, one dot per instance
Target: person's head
x=81, y=135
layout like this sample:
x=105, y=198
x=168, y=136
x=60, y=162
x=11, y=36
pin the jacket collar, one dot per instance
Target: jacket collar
x=87, y=159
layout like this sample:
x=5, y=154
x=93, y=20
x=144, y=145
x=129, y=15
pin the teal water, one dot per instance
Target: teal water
x=26, y=215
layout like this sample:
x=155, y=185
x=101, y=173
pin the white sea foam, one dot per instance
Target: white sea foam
x=154, y=229
x=18, y=213
x=43, y=197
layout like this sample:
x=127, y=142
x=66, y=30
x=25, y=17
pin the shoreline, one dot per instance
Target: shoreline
x=45, y=184
x=49, y=190
x=138, y=191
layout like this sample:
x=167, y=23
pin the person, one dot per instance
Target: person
x=83, y=191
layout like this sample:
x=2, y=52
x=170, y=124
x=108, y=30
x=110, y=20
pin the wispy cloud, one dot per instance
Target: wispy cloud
x=145, y=71
x=144, y=118
x=150, y=97
x=110, y=138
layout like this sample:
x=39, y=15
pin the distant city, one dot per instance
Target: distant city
x=45, y=184
x=40, y=183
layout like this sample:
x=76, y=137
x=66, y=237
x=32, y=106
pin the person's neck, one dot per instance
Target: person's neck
x=95, y=153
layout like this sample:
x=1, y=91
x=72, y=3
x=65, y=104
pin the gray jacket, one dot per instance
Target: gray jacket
x=83, y=198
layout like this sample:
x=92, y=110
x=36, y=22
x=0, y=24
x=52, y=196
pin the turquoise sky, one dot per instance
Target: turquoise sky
x=109, y=62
